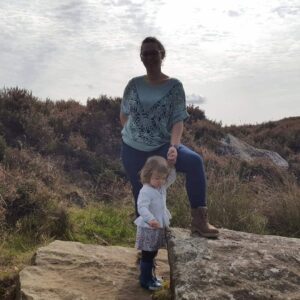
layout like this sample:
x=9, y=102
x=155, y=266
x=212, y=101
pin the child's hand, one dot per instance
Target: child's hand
x=154, y=224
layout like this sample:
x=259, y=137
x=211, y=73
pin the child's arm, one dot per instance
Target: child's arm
x=143, y=204
x=171, y=178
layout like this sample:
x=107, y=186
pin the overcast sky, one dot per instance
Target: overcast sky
x=238, y=60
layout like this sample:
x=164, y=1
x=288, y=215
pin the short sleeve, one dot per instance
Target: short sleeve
x=179, y=105
x=125, y=101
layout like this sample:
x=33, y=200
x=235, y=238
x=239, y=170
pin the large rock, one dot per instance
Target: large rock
x=70, y=271
x=233, y=146
x=237, y=266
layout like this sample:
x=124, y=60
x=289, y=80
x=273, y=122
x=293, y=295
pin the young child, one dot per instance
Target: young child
x=156, y=177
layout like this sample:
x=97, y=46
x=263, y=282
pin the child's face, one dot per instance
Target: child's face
x=157, y=179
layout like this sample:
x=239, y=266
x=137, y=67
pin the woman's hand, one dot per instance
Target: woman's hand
x=172, y=155
x=154, y=224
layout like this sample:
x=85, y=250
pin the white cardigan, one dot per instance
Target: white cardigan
x=152, y=204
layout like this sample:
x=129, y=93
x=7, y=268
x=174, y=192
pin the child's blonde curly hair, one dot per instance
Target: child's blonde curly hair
x=154, y=164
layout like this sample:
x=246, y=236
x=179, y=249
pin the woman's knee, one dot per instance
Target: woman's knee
x=192, y=159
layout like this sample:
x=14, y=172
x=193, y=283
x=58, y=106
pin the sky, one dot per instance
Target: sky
x=239, y=61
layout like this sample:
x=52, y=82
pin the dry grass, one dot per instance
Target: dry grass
x=253, y=197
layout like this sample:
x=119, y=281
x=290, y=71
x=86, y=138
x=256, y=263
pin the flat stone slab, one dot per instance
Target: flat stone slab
x=71, y=271
x=236, y=266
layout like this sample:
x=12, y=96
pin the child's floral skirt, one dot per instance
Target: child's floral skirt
x=148, y=239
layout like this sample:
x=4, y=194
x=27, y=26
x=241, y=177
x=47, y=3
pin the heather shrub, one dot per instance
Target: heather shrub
x=32, y=210
x=101, y=126
x=23, y=204
x=294, y=166
x=66, y=118
x=88, y=161
x=77, y=158
x=111, y=107
x=16, y=159
x=62, y=148
x=76, y=141
x=48, y=221
x=294, y=142
x=206, y=133
x=38, y=132
x=110, y=186
x=11, y=111
x=23, y=120
x=195, y=114
x=2, y=147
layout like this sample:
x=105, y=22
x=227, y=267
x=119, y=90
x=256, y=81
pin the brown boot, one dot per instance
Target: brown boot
x=200, y=223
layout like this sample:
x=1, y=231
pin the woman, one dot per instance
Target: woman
x=152, y=113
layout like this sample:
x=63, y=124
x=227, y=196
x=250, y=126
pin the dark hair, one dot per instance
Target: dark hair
x=154, y=164
x=151, y=39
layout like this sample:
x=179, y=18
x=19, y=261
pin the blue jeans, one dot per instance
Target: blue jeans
x=188, y=162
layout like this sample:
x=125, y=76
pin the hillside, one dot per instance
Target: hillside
x=61, y=176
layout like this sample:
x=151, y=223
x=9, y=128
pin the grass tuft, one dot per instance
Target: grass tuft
x=102, y=224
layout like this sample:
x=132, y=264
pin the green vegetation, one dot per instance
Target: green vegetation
x=103, y=224
x=61, y=177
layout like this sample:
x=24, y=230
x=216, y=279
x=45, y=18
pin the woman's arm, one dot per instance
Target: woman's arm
x=176, y=134
x=123, y=118
x=124, y=108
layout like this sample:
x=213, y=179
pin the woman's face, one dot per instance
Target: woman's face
x=151, y=55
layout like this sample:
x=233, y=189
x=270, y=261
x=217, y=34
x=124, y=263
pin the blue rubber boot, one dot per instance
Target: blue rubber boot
x=155, y=278
x=146, y=279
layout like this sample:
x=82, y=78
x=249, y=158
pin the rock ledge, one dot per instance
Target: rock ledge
x=237, y=266
x=75, y=271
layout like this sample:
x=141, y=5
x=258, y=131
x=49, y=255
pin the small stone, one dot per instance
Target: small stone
x=274, y=270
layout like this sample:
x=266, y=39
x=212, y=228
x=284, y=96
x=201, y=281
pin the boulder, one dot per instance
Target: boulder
x=233, y=146
x=71, y=270
x=236, y=266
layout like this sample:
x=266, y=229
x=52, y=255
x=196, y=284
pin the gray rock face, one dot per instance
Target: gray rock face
x=75, y=271
x=237, y=266
x=233, y=146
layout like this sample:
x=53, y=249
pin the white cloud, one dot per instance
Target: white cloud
x=195, y=99
x=233, y=13
x=228, y=51
x=285, y=10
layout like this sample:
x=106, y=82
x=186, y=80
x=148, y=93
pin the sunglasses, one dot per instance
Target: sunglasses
x=150, y=53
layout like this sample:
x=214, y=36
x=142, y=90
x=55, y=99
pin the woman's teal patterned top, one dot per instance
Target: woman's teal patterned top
x=152, y=110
